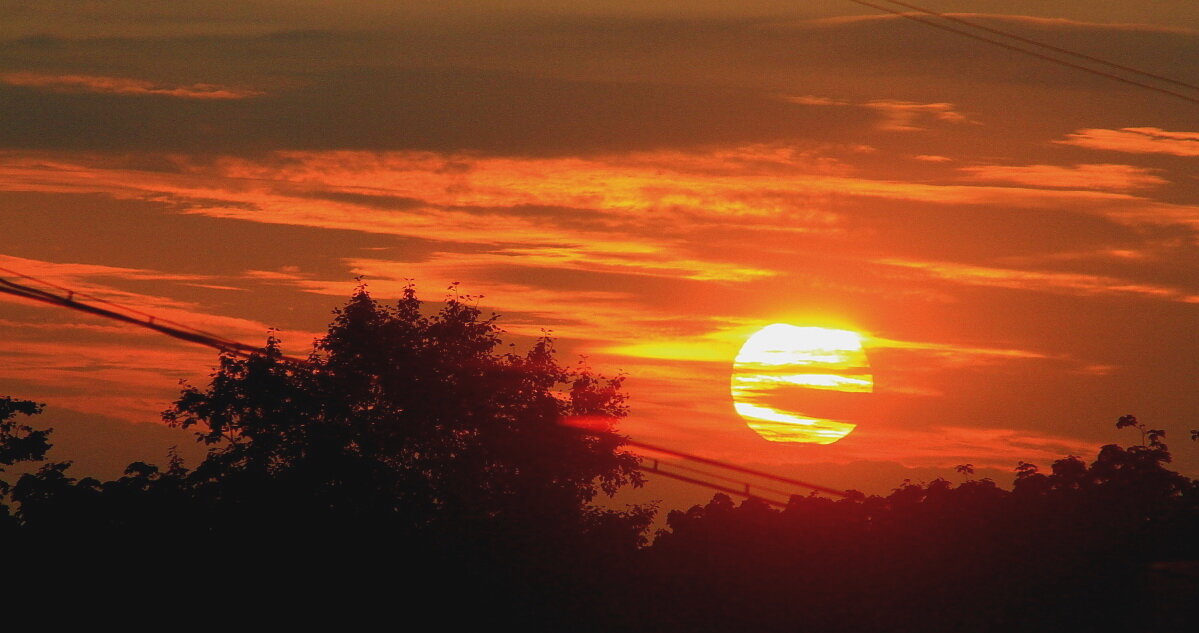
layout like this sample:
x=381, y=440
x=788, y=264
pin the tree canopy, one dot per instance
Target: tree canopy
x=404, y=416
x=18, y=443
x=406, y=434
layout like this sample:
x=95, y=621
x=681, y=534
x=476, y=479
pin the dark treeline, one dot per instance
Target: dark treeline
x=416, y=465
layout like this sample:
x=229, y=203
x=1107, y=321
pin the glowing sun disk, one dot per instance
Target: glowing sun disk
x=780, y=362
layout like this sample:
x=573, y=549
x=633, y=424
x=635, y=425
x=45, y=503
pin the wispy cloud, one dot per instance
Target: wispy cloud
x=495, y=200
x=124, y=86
x=1042, y=281
x=947, y=446
x=1136, y=140
x=1091, y=176
x=897, y=115
x=1030, y=20
x=589, y=317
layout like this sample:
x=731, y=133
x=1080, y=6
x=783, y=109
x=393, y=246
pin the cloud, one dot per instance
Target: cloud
x=1043, y=281
x=1136, y=140
x=897, y=115
x=494, y=199
x=902, y=116
x=947, y=446
x=1093, y=176
x=439, y=108
x=955, y=355
x=1056, y=23
x=123, y=86
x=589, y=317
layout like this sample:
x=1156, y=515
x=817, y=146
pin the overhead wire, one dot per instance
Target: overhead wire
x=1045, y=45
x=83, y=302
x=714, y=486
x=736, y=468
x=746, y=486
x=1032, y=53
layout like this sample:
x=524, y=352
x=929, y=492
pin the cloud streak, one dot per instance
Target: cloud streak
x=1136, y=140
x=1043, y=281
x=1092, y=176
x=123, y=86
x=1055, y=23
x=897, y=115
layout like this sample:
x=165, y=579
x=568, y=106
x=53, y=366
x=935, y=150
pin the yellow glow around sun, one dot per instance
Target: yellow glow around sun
x=779, y=362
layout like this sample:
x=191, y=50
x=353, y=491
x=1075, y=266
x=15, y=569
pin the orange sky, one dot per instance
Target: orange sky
x=1015, y=241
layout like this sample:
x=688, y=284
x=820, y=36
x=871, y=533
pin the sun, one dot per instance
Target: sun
x=783, y=372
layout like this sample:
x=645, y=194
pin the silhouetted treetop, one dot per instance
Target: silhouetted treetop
x=18, y=443
x=411, y=416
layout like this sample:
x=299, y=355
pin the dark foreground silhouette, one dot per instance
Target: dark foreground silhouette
x=411, y=470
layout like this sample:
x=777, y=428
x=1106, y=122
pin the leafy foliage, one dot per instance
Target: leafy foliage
x=409, y=417
x=18, y=443
x=1062, y=550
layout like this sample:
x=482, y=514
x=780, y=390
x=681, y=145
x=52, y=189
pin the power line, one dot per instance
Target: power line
x=83, y=302
x=746, y=486
x=1057, y=49
x=1048, y=58
x=656, y=469
x=735, y=468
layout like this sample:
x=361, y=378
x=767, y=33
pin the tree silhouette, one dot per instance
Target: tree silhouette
x=408, y=438
x=411, y=423
x=1067, y=549
x=18, y=443
x=1149, y=437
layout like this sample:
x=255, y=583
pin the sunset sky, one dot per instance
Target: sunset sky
x=1014, y=241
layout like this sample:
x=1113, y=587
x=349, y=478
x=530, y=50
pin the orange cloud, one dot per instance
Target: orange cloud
x=536, y=201
x=902, y=115
x=719, y=436
x=134, y=379
x=1098, y=176
x=898, y=116
x=627, y=258
x=1034, y=20
x=1042, y=281
x=956, y=355
x=592, y=316
x=947, y=446
x=123, y=86
x=1136, y=140
x=1156, y=213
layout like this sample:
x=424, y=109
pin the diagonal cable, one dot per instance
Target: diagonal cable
x=1011, y=47
x=1056, y=49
